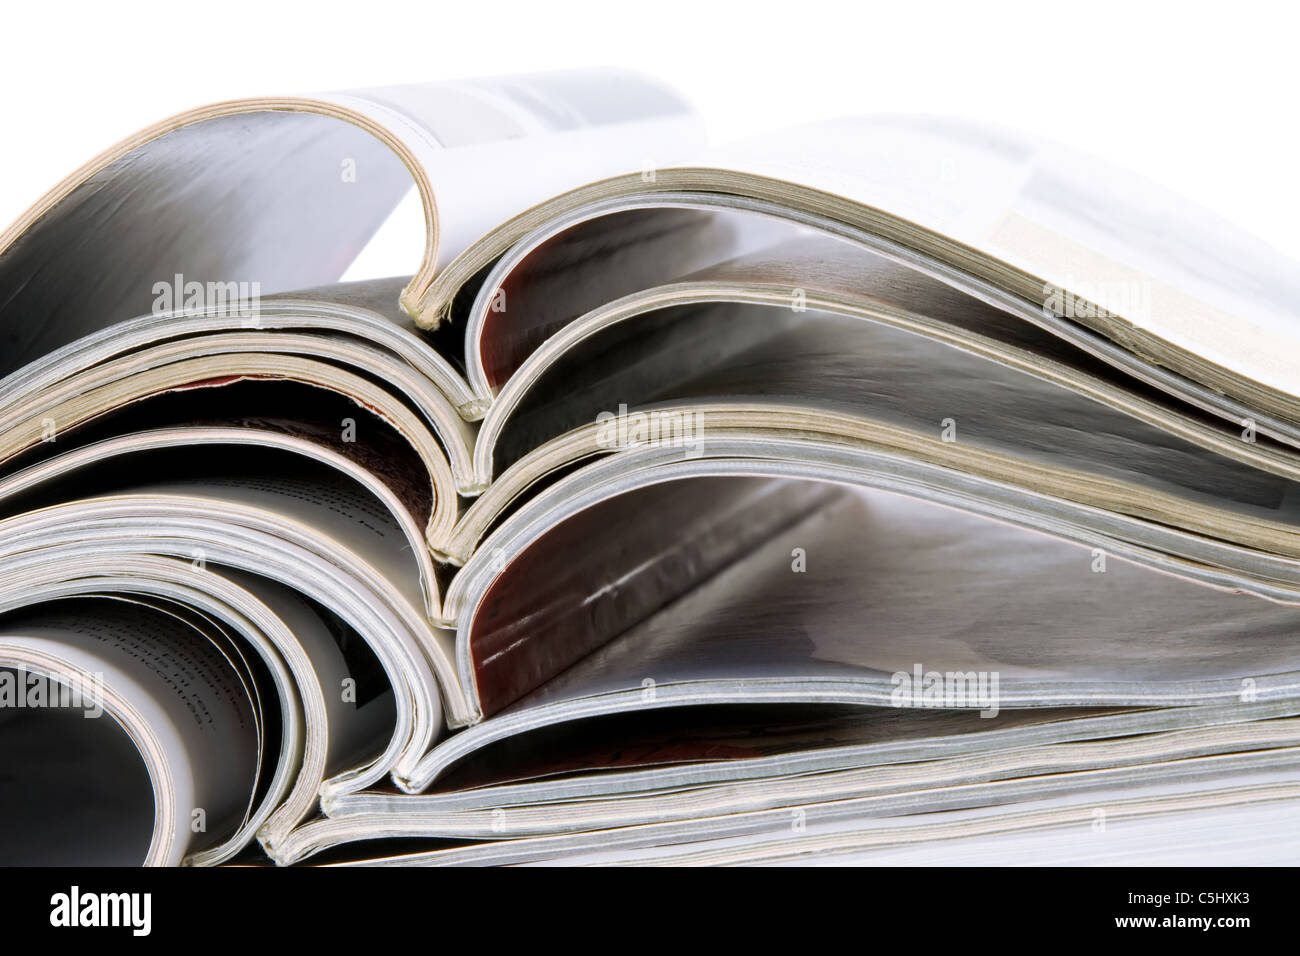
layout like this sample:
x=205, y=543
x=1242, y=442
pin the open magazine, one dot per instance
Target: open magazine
x=868, y=487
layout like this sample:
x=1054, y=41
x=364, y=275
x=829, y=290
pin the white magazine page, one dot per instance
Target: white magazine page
x=1089, y=230
x=507, y=143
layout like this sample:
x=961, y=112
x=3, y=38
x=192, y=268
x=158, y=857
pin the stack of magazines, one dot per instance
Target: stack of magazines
x=889, y=489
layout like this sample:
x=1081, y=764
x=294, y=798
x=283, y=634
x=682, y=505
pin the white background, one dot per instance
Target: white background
x=1202, y=99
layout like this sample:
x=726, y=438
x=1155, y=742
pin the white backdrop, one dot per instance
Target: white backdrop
x=1200, y=99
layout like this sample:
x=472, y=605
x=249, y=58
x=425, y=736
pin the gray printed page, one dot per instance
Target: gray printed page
x=744, y=354
x=324, y=504
x=843, y=364
x=163, y=664
x=891, y=584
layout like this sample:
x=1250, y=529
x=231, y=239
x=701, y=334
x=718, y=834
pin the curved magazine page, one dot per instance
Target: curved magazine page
x=894, y=547
x=222, y=352
x=564, y=270
x=166, y=394
x=217, y=528
x=364, y=312
x=283, y=193
x=96, y=465
x=111, y=818
x=783, y=373
x=1089, y=241
x=525, y=631
x=817, y=275
x=784, y=455
x=166, y=676
x=327, y=699
x=1210, y=342
x=289, y=707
